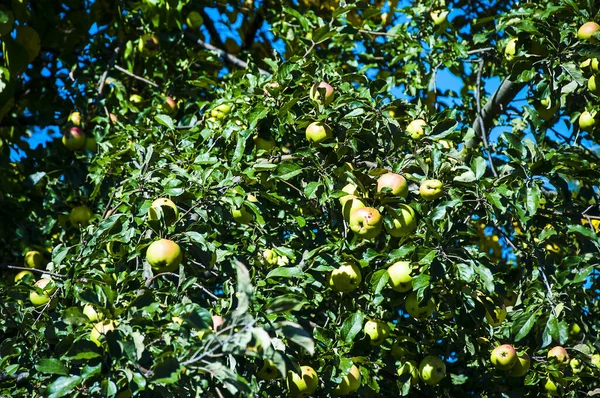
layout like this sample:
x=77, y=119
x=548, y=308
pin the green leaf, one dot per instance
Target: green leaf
x=167, y=371
x=486, y=277
x=298, y=335
x=63, y=386
x=533, y=199
x=286, y=272
x=523, y=324
x=351, y=326
x=285, y=303
x=379, y=280
x=51, y=366
x=479, y=165
x=166, y=121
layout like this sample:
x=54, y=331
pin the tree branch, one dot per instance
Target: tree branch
x=223, y=54
x=109, y=65
x=483, y=132
x=117, y=67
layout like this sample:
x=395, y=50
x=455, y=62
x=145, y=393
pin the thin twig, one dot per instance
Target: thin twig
x=109, y=65
x=41, y=271
x=368, y=32
x=480, y=117
x=480, y=50
x=199, y=286
x=225, y=55
x=117, y=67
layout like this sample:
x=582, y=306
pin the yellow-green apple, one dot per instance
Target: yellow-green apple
x=47, y=287
x=504, y=357
x=595, y=360
x=75, y=118
x=586, y=31
x=148, y=45
x=411, y=368
x=416, y=129
x=242, y=215
x=510, y=298
x=194, y=20
x=551, y=387
x=91, y=313
x=315, y=94
x=574, y=330
x=350, y=203
x=318, y=132
x=268, y=371
x=366, y=222
x=265, y=144
x=521, y=366
x=432, y=370
x=403, y=221
x=167, y=207
x=136, y=99
x=220, y=111
x=396, y=184
x=419, y=310
x=270, y=257
x=576, y=366
x=350, y=382
x=545, y=110
x=511, y=49
x=34, y=259
x=346, y=278
x=592, y=63
x=116, y=249
x=80, y=216
x=439, y=16
x=559, y=354
x=377, y=330
x=101, y=329
x=594, y=84
x=431, y=189
x=400, y=350
x=22, y=275
x=587, y=120
x=304, y=384
x=399, y=276
x=169, y=106
x=74, y=138
x=164, y=255
x=497, y=317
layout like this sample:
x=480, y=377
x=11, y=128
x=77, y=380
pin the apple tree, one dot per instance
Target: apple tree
x=299, y=198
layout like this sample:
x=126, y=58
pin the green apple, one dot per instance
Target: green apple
x=497, y=317
x=431, y=189
x=350, y=382
x=74, y=139
x=315, y=94
x=346, y=278
x=90, y=143
x=416, y=129
x=432, y=370
x=396, y=184
x=595, y=360
x=34, y=259
x=410, y=368
x=22, y=275
x=268, y=371
x=559, y=354
x=504, y=357
x=164, y=255
x=574, y=330
x=270, y=257
x=219, y=112
x=148, y=45
x=418, y=310
x=101, y=329
x=194, y=20
x=169, y=106
x=511, y=49
x=263, y=143
x=318, y=132
x=350, y=203
x=594, y=84
x=400, y=350
x=521, y=366
x=587, y=120
x=510, y=299
x=399, y=276
x=586, y=31
x=80, y=216
x=404, y=221
x=377, y=331
x=302, y=385
x=551, y=387
x=169, y=211
x=47, y=287
x=576, y=366
x=91, y=313
x=439, y=17
x=366, y=222
x=116, y=249
x=242, y=215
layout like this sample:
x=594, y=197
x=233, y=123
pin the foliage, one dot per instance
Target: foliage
x=516, y=226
